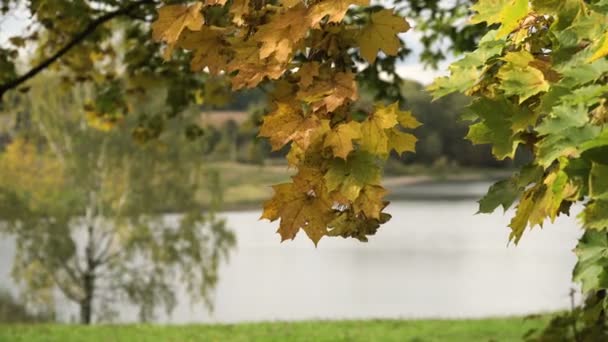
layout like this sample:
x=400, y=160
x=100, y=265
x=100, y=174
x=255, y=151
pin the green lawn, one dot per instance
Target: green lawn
x=500, y=329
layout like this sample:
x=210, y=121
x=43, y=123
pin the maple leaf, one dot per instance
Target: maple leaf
x=520, y=78
x=281, y=35
x=506, y=12
x=307, y=73
x=405, y=118
x=371, y=201
x=592, y=252
x=340, y=138
x=215, y=2
x=374, y=138
x=542, y=201
x=504, y=193
x=251, y=69
x=287, y=123
x=207, y=46
x=334, y=10
x=331, y=93
x=250, y=75
x=400, y=141
x=595, y=215
x=380, y=34
x=238, y=9
x=495, y=127
x=174, y=19
x=348, y=224
x=601, y=49
x=351, y=175
x=302, y=204
x=598, y=181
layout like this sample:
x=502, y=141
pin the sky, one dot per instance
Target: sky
x=16, y=23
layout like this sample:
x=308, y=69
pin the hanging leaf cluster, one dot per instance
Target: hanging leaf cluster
x=538, y=81
x=300, y=51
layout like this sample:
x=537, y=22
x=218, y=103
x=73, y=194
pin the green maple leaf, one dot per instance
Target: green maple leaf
x=570, y=142
x=503, y=193
x=562, y=118
x=519, y=78
x=595, y=215
x=506, y=12
x=460, y=80
x=577, y=74
x=598, y=181
x=465, y=73
x=350, y=176
x=591, y=269
x=495, y=127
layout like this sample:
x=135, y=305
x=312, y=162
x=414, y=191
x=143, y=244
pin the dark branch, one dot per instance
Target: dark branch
x=77, y=39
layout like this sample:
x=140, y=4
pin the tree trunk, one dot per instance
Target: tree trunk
x=86, y=310
x=86, y=305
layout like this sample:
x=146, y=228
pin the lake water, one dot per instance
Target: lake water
x=433, y=259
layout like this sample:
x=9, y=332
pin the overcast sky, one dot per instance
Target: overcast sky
x=16, y=22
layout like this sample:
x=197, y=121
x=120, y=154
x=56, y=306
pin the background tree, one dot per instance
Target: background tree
x=89, y=208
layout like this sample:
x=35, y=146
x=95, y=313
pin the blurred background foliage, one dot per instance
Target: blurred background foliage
x=89, y=207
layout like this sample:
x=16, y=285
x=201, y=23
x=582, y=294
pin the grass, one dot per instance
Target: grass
x=498, y=329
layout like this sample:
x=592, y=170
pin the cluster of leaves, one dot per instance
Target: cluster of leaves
x=303, y=50
x=538, y=80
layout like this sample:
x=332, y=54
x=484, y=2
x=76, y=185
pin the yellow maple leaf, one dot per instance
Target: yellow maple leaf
x=302, y=204
x=238, y=9
x=251, y=69
x=542, y=201
x=207, y=46
x=374, y=138
x=251, y=74
x=340, y=138
x=288, y=123
x=334, y=10
x=370, y=201
x=401, y=142
x=331, y=93
x=381, y=34
x=601, y=49
x=215, y=2
x=173, y=19
x=307, y=72
x=281, y=35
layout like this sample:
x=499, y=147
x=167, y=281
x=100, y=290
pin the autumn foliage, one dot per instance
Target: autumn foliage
x=303, y=49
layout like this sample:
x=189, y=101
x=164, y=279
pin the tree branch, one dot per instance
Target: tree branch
x=77, y=39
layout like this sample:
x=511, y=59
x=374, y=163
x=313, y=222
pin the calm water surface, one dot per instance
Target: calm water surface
x=433, y=259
